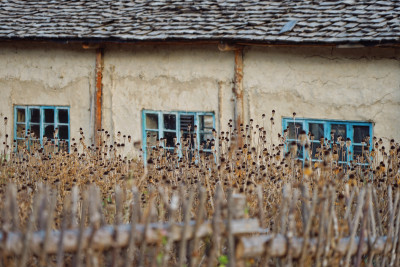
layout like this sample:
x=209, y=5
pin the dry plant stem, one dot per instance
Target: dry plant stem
x=392, y=209
x=231, y=241
x=186, y=218
x=79, y=254
x=355, y=225
x=117, y=221
x=199, y=220
x=135, y=209
x=306, y=234
x=50, y=210
x=396, y=238
x=60, y=251
x=378, y=216
x=147, y=217
x=28, y=234
x=216, y=231
x=173, y=207
x=321, y=232
x=260, y=197
x=349, y=203
x=362, y=232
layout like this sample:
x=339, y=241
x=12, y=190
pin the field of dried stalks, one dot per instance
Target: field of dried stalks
x=307, y=212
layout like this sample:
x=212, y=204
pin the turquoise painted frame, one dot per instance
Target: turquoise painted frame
x=327, y=131
x=161, y=129
x=42, y=124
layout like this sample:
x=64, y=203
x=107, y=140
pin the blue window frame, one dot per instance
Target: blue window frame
x=33, y=125
x=351, y=138
x=195, y=127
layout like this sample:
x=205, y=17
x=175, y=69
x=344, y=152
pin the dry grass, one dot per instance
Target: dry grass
x=244, y=160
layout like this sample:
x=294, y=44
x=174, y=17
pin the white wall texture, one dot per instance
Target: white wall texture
x=360, y=84
x=47, y=74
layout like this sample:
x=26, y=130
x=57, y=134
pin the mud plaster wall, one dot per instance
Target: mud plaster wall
x=325, y=83
x=47, y=74
x=165, y=78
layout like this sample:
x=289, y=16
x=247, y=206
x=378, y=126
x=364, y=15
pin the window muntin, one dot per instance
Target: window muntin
x=195, y=127
x=333, y=133
x=48, y=123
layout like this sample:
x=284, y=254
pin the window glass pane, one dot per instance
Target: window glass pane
x=169, y=136
x=317, y=129
x=63, y=115
x=204, y=138
x=151, y=121
x=206, y=122
x=169, y=121
x=300, y=151
x=316, y=150
x=359, y=133
x=35, y=114
x=20, y=115
x=294, y=129
x=35, y=129
x=49, y=115
x=342, y=151
x=338, y=130
x=357, y=151
x=21, y=130
x=49, y=131
x=187, y=123
x=63, y=132
x=152, y=138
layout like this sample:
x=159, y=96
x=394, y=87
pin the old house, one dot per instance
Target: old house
x=151, y=68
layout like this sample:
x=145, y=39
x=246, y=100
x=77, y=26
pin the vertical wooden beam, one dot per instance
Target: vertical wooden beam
x=99, y=92
x=238, y=91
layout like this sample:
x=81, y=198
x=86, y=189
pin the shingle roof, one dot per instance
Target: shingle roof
x=285, y=21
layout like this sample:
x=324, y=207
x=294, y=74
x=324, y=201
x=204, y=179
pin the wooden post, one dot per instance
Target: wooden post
x=238, y=86
x=99, y=93
x=239, y=103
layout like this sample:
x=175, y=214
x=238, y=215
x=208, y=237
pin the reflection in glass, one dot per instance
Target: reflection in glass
x=360, y=132
x=49, y=131
x=152, y=138
x=169, y=121
x=35, y=129
x=294, y=129
x=169, y=136
x=151, y=121
x=317, y=129
x=338, y=130
x=20, y=115
x=49, y=115
x=21, y=130
x=35, y=115
x=206, y=123
x=63, y=132
x=63, y=116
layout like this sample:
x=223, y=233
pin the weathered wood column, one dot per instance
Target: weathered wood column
x=99, y=93
x=238, y=86
x=238, y=92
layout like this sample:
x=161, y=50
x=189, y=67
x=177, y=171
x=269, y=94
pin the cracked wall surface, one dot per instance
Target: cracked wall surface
x=164, y=78
x=47, y=74
x=360, y=84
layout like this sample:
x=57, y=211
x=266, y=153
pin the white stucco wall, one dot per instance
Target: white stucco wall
x=47, y=74
x=166, y=78
x=360, y=84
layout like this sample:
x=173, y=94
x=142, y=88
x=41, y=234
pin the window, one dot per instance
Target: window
x=194, y=127
x=347, y=139
x=35, y=124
